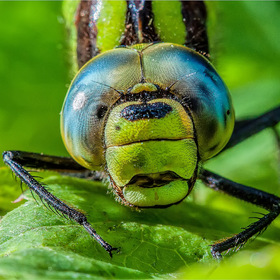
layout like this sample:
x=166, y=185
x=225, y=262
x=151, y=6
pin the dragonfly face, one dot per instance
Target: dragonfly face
x=148, y=115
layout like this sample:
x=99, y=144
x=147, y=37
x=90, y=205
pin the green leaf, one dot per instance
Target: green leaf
x=263, y=264
x=151, y=242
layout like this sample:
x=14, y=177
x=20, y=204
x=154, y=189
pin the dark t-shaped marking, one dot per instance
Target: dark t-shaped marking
x=146, y=111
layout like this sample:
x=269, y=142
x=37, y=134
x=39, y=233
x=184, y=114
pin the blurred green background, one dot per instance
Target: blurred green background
x=34, y=75
x=245, y=45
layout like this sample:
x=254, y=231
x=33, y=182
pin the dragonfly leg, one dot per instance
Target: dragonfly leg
x=16, y=160
x=257, y=197
x=64, y=165
x=247, y=128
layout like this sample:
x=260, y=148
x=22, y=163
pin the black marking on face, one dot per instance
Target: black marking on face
x=146, y=111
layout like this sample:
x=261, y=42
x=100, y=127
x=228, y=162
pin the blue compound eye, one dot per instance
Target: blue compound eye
x=97, y=86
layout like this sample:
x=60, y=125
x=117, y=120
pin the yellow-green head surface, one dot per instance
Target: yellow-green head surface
x=147, y=115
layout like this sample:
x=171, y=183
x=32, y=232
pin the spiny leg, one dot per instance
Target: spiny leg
x=246, y=128
x=16, y=160
x=260, y=198
x=64, y=165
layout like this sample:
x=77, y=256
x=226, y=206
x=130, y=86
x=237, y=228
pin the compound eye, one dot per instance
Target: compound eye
x=92, y=93
x=82, y=122
x=101, y=111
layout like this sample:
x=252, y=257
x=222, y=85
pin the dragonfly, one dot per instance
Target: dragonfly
x=147, y=114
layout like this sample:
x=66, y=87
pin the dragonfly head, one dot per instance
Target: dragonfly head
x=147, y=115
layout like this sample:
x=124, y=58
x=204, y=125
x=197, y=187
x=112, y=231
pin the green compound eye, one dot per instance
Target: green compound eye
x=148, y=114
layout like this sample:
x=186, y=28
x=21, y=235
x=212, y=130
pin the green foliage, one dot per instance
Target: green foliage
x=153, y=243
x=263, y=264
x=33, y=73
